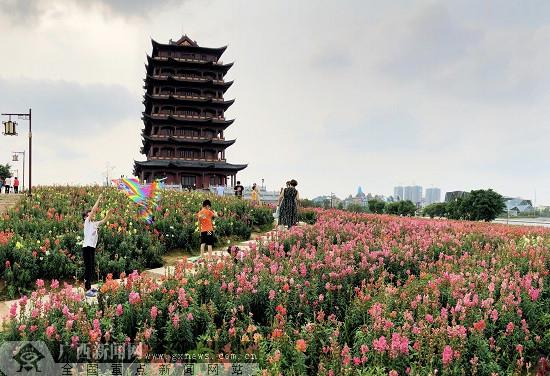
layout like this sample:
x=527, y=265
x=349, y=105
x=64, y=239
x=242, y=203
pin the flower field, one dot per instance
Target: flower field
x=352, y=294
x=41, y=237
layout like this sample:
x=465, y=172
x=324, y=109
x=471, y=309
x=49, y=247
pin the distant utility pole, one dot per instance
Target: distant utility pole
x=108, y=169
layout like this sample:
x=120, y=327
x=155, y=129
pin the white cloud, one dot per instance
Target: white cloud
x=334, y=94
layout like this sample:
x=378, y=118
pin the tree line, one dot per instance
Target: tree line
x=477, y=205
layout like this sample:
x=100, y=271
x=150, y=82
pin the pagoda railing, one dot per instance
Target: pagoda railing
x=184, y=78
x=164, y=58
x=178, y=96
x=165, y=115
x=163, y=136
x=187, y=159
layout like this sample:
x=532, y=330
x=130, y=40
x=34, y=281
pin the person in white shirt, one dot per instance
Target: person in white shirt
x=220, y=189
x=89, y=244
x=7, y=184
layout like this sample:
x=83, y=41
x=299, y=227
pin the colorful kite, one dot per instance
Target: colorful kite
x=145, y=196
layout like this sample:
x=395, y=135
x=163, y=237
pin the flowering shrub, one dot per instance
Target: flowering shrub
x=353, y=294
x=42, y=236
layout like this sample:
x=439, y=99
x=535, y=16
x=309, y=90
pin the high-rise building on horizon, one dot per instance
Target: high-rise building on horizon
x=398, y=193
x=413, y=193
x=433, y=195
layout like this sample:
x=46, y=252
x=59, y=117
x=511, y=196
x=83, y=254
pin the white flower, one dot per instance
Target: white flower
x=47, y=253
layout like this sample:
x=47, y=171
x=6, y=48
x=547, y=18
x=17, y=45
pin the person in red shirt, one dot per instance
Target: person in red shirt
x=16, y=185
x=205, y=216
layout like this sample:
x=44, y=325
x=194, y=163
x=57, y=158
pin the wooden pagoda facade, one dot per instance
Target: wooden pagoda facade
x=184, y=118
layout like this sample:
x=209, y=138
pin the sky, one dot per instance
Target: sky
x=335, y=94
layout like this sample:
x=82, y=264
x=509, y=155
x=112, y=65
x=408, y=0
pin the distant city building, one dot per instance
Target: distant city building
x=359, y=199
x=321, y=200
x=398, y=193
x=517, y=205
x=452, y=196
x=413, y=193
x=433, y=195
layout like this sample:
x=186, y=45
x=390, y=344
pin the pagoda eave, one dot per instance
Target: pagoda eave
x=191, y=165
x=175, y=47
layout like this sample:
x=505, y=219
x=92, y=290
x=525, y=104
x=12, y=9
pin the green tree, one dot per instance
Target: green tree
x=438, y=209
x=455, y=209
x=5, y=171
x=393, y=208
x=407, y=208
x=307, y=203
x=482, y=205
x=377, y=206
x=357, y=208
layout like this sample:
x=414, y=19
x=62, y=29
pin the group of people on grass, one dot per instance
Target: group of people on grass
x=287, y=211
x=8, y=185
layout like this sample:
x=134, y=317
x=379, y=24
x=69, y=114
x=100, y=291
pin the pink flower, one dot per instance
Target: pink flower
x=34, y=328
x=154, y=312
x=393, y=373
x=380, y=344
x=509, y=328
x=22, y=327
x=519, y=349
x=429, y=318
x=271, y=294
x=447, y=355
x=356, y=360
x=74, y=341
x=13, y=310
x=54, y=284
x=134, y=297
x=69, y=324
x=119, y=310
x=39, y=283
x=8, y=264
x=534, y=293
x=494, y=315
x=50, y=331
x=176, y=320
x=190, y=316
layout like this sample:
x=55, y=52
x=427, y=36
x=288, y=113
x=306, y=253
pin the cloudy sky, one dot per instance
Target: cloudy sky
x=336, y=94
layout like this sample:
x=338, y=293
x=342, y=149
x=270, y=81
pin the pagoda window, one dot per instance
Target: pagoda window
x=210, y=94
x=188, y=181
x=211, y=113
x=209, y=154
x=212, y=179
x=165, y=152
x=210, y=75
x=168, y=71
x=208, y=133
x=167, y=131
x=155, y=109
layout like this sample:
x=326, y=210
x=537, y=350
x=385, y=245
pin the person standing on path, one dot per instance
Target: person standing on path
x=239, y=190
x=7, y=184
x=89, y=244
x=16, y=185
x=205, y=216
x=220, y=190
x=1, y=184
x=288, y=205
x=255, y=195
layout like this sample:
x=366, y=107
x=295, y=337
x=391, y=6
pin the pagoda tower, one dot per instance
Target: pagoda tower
x=184, y=121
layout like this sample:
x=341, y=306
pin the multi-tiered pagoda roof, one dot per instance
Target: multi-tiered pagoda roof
x=184, y=116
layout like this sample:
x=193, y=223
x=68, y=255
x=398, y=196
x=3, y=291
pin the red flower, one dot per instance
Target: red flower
x=480, y=325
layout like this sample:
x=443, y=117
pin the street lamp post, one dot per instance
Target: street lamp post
x=10, y=130
x=15, y=159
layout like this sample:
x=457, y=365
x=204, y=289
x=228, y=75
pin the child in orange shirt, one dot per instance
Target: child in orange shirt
x=205, y=216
